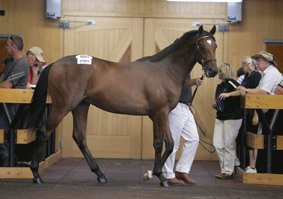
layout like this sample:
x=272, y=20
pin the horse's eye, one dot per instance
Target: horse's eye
x=202, y=48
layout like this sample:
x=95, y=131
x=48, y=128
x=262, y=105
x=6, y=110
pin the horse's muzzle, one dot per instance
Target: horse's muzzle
x=211, y=72
x=209, y=68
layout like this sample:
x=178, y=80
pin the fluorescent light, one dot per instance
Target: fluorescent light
x=206, y=0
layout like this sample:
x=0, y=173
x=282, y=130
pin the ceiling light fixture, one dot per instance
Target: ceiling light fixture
x=206, y=0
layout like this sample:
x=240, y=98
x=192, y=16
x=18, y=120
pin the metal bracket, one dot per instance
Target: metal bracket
x=273, y=142
x=223, y=28
x=7, y=136
x=64, y=25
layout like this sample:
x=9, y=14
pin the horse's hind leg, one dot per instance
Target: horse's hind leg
x=42, y=135
x=79, y=135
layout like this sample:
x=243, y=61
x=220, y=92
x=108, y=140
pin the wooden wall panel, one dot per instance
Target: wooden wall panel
x=143, y=8
x=108, y=135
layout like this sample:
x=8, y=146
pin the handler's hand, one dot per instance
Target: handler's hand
x=199, y=82
x=192, y=109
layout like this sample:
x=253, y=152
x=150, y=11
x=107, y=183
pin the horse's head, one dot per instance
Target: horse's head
x=206, y=47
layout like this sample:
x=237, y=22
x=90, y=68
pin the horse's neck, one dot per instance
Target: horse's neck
x=183, y=62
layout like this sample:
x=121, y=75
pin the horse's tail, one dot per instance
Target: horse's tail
x=37, y=106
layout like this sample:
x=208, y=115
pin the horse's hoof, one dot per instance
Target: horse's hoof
x=102, y=180
x=147, y=175
x=164, y=184
x=37, y=181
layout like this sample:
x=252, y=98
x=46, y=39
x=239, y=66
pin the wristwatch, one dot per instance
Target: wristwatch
x=281, y=84
x=246, y=91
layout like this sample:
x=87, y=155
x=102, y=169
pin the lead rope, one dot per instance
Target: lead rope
x=200, y=140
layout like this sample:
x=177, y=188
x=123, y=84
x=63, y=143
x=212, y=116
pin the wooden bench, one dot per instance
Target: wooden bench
x=268, y=142
x=22, y=136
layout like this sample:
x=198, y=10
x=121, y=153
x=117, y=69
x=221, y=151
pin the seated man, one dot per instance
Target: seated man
x=15, y=75
x=35, y=59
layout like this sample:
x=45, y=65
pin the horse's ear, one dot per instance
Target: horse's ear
x=200, y=30
x=213, y=30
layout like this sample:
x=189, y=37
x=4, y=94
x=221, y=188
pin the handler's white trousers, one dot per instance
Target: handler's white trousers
x=181, y=123
x=225, y=134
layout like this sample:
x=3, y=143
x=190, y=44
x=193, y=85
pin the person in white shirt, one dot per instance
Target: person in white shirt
x=271, y=77
x=270, y=80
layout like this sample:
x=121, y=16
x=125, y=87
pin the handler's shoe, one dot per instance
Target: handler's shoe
x=185, y=177
x=175, y=182
x=224, y=176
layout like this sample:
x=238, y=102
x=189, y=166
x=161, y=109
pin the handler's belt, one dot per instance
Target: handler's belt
x=187, y=103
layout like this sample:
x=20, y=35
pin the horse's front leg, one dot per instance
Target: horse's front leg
x=161, y=132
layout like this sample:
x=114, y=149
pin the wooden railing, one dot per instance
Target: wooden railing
x=19, y=96
x=268, y=141
x=23, y=136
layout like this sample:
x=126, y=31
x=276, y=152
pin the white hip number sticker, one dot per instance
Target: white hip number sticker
x=84, y=59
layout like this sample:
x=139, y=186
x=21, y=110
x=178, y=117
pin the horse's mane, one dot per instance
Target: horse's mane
x=178, y=43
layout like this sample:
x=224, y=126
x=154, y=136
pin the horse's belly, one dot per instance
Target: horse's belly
x=122, y=105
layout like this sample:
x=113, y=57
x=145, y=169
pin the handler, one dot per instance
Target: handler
x=182, y=123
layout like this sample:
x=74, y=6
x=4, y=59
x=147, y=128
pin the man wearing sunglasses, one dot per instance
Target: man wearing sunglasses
x=15, y=75
x=17, y=68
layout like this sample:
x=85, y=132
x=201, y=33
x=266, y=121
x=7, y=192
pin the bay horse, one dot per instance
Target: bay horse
x=148, y=86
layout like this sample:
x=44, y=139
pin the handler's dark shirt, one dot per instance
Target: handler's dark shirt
x=186, y=93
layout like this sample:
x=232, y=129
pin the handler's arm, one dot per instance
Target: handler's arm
x=192, y=82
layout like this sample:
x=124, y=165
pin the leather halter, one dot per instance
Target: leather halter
x=203, y=63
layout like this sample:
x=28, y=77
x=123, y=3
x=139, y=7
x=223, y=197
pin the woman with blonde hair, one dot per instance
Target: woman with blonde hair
x=227, y=122
x=251, y=80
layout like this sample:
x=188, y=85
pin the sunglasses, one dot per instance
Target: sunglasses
x=11, y=38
